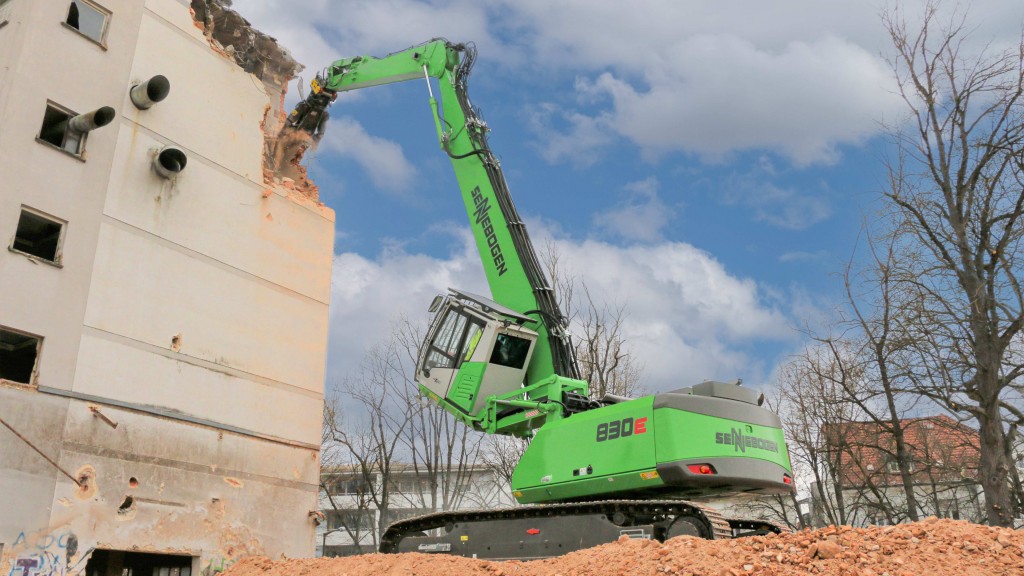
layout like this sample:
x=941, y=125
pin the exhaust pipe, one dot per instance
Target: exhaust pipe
x=150, y=92
x=170, y=161
x=91, y=120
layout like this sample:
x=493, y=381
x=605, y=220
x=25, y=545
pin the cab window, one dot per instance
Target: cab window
x=472, y=339
x=454, y=341
x=510, y=351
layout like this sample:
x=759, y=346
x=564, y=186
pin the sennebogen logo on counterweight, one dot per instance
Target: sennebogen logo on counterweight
x=741, y=441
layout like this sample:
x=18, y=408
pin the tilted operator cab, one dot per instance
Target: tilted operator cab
x=475, y=348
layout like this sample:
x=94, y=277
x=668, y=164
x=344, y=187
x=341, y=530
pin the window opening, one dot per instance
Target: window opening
x=18, y=354
x=353, y=485
x=510, y=351
x=56, y=131
x=892, y=465
x=106, y=562
x=353, y=520
x=38, y=236
x=87, y=18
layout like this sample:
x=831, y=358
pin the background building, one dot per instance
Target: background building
x=943, y=469
x=351, y=501
x=163, y=318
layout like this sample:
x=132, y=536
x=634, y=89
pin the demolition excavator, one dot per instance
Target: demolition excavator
x=596, y=468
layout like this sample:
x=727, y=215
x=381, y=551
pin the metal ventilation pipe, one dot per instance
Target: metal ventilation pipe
x=170, y=161
x=150, y=92
x=91, y=120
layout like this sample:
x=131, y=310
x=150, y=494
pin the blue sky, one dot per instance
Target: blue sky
x=709, y=164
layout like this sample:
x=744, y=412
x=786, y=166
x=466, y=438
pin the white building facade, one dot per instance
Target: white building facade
x=163, y=325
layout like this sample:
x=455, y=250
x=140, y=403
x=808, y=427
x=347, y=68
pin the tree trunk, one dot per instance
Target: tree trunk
x=994, y=469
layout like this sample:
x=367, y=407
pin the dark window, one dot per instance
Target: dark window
x=104, y=562
x=38, y=236
x=87, y=18
x=18, y=353
x=55, y=130
x=350, y=485
x=510, y=351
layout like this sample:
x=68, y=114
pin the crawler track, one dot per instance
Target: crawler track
x=530, y=532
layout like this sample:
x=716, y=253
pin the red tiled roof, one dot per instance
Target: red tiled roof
x=942, y=450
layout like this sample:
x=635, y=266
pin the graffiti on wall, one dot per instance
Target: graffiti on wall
x=236, y=542
x=217, y=565
x=50, y=555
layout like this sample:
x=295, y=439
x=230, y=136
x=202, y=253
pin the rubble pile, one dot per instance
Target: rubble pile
x=931, y=547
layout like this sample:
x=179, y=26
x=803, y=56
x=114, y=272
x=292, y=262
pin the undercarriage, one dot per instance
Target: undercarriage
x=532, y=532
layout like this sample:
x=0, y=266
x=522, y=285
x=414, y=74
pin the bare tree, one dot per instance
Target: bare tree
x=600, y=343
x=502, y=453
x=401, y=453
x=813, y=408
x=347, y=478
x=956, y=189
x=442, y=451
x=885, y=352
x=371, y=443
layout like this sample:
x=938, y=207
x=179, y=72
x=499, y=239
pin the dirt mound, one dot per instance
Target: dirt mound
x=931, y=547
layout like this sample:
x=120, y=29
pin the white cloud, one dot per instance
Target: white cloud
x=383, y=160
x=689, y=319
x=318, y=32
x=367, y=295
x=716, y=95
x=796, y=77
x=640, y=217
x=801, y=256
x=785, y=207
x=566, y=135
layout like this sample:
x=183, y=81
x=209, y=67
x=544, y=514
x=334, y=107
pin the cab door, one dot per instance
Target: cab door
x=451, y=343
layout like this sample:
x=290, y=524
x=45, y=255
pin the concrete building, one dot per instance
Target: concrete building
x=353, y=519
x=163, y=294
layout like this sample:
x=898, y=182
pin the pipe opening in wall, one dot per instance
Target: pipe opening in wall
x=148, y=93
x=170, y=161
x=127, y=505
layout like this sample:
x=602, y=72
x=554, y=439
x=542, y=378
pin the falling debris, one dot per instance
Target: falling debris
x=933, y=546
x=259, y=54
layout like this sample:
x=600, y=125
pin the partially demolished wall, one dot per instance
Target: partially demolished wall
x=259, y=54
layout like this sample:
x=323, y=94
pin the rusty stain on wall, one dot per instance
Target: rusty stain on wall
x=87, y=485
